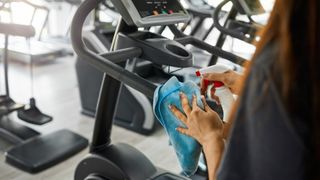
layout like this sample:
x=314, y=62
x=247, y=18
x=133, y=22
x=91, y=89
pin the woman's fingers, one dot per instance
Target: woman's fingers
x=213, y=96
x=229, y=78
x=215, y=76
x=178, y=114
x=194, y=102
x=185, y=103
x=203, y=87
x=205, y=104
x=183, y=131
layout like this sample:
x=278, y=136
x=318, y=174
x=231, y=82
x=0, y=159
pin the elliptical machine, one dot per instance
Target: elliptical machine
x=133, y=53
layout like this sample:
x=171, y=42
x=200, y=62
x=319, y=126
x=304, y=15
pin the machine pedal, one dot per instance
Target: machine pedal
x=33, y=115
x=7, y=105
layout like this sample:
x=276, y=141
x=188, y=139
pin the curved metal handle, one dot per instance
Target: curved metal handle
x=225, y=30
x=17, y=30
x=105, y=63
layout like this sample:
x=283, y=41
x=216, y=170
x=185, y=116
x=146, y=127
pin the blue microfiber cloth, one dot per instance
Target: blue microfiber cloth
x=187, y=149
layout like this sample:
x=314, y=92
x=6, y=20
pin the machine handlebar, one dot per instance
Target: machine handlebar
x=17, y=30
x=107, y=62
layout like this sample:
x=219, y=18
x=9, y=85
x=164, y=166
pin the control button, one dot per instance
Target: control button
x=155, y=13
x=164, y=12
x=171, y=12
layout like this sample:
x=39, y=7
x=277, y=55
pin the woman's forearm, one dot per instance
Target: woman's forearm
x=213, y=153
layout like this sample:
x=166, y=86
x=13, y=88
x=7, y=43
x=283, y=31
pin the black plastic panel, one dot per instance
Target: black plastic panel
x=15, y=132
x=45, y=151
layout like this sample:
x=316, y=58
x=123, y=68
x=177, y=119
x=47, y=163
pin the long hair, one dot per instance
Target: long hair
x=295, y=26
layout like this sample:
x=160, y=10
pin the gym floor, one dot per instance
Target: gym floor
x=56, y=92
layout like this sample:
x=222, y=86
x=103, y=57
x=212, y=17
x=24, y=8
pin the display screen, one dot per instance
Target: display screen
x=157, y=7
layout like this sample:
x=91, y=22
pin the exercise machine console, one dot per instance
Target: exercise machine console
x=149, y=13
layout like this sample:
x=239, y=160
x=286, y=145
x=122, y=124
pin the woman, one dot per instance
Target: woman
x=276, y=129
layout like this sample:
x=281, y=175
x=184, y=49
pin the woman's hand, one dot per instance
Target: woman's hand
x=206, y=127
x=230, y=79
x=203, y=125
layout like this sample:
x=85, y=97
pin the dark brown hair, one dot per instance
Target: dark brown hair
x=295, y=26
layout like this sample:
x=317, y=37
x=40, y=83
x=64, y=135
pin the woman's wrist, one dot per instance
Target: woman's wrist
x=213, y=151
x=226, y=129
x=215, y=144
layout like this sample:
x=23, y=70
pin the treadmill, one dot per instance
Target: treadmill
x=132, y=48
x=21, y=49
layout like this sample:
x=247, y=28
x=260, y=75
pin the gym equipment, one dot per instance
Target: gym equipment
x=241, y=30
x=200, y=10
x=42, y=152
x=134, y=110
x=89, y=78
x=231, y=26
x=139, y=117
x=63, y=38
x=244, y=31
x=32, y=152
x=7, y=105
x=32, y=114
x=133, y=54
x=249, y=7
x=40, y=50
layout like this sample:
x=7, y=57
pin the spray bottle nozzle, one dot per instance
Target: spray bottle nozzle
x=218, y=84
x=198, y=73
